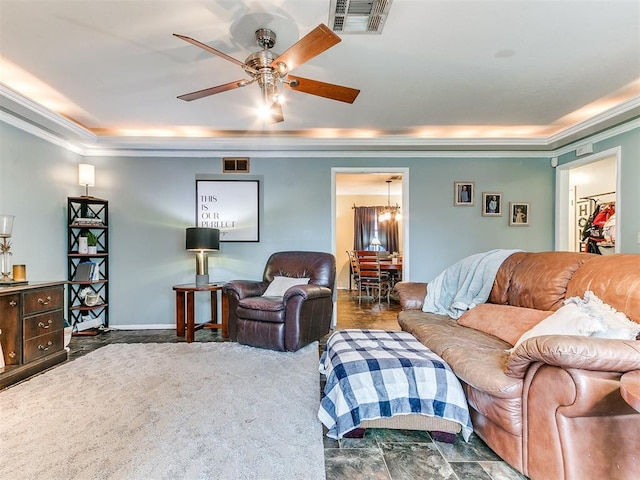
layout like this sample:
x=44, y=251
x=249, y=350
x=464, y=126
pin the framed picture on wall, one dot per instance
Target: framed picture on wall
x=231, y=206
x=519, y=214
x=491, y=204
x=463, y=193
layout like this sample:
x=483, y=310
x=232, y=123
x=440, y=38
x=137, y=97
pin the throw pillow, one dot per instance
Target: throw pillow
x=617, y=324
x=567, y=320
x=506, y=322
x=280, y=285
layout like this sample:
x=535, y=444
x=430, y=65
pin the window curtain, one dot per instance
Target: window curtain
x=364, y=226
x=365, y=220
x=388, y=235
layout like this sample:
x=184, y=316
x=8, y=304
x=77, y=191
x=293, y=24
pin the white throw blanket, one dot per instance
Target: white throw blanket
x=465, y=284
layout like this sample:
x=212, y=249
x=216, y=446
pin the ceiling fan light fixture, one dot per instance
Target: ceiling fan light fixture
x=267, y=68
x=282, y=69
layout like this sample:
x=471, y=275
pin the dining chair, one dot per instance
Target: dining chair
x=354, y=270
x=371, y=278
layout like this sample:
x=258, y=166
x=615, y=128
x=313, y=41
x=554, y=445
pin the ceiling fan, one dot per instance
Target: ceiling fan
x=270, y=70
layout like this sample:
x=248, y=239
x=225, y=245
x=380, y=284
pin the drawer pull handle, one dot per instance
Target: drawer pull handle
x=13, y=303
x=43, y=348
x=12, y=355
x=44, y=302
x=42, y=325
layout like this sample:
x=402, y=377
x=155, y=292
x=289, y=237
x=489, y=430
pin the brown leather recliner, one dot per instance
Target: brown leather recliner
x=287, y=323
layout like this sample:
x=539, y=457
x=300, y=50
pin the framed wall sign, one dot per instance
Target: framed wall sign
x=230, y=206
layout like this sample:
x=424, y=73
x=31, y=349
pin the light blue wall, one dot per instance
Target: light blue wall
x=628, y=216
x=36, y=178
x=152, y=201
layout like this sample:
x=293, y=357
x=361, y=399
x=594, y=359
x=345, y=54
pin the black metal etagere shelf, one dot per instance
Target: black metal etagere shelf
x=85, y=216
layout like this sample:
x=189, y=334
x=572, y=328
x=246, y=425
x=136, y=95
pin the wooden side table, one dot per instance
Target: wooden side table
x=630, y=388
x=185, y=302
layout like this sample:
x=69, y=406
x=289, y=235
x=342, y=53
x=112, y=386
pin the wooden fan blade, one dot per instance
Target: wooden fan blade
x=209, y=49
x=275, y=113
x=212, y=90
x=312, y=44
x=322, y=89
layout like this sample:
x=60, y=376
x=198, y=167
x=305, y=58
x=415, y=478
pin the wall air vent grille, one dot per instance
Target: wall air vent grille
x=359, y=16
x=235, y=165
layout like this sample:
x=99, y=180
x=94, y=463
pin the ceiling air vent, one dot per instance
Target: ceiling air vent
x=358, y=16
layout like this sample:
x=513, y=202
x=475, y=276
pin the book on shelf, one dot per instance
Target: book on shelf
x=88, y=221
x=87, y=272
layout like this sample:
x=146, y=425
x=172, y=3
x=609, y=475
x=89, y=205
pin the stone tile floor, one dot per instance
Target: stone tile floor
x=382, y=454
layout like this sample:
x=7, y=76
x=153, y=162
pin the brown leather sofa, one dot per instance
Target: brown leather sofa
x=289, y=322
x=552, y=408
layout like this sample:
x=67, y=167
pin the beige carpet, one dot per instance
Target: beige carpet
x=167, y=411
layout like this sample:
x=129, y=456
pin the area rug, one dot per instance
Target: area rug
x=167, y=411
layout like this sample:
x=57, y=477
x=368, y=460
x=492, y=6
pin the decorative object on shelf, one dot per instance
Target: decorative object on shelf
x=90, y=298
x=6, y=227
x=92, y=243
x=19, y=273
x=389, y=211
x=202, y=240
x=463, y=194
x=83, y=244
x=86, y=176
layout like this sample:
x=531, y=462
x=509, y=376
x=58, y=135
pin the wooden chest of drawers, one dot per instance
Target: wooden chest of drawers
x=31, y=329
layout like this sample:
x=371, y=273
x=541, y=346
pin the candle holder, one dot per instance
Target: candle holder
x=6, y=227
x=5, y=260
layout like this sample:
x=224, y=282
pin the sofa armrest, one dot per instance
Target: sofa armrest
x=411, y=294
x=307, y=292
x=245, y=288
x=567, y=351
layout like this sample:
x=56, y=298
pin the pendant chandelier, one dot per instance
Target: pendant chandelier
x=389, y=212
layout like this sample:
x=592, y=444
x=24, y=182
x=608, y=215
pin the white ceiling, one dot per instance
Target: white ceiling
x=520, y=73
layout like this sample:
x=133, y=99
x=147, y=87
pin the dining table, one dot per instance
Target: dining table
x=394, y=269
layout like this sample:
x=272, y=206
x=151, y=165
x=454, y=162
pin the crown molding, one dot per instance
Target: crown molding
x=24, y=114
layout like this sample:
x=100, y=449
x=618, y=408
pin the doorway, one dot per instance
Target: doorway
x=580, y=186
x=348, y=186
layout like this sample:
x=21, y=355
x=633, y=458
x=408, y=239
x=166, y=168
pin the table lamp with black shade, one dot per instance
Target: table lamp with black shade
x=202, y=241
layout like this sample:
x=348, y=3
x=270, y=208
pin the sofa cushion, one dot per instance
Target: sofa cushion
x=568, y=320
x=616, y=324
x=503, y=321
x=614, y=279
x=477, y=359
x=263, y=309
x=280, y=285
x=536, y=280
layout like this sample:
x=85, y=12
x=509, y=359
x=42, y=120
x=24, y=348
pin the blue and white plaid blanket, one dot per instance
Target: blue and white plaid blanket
x=377, y=374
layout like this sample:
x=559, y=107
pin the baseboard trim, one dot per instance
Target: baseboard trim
x=155, y=326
